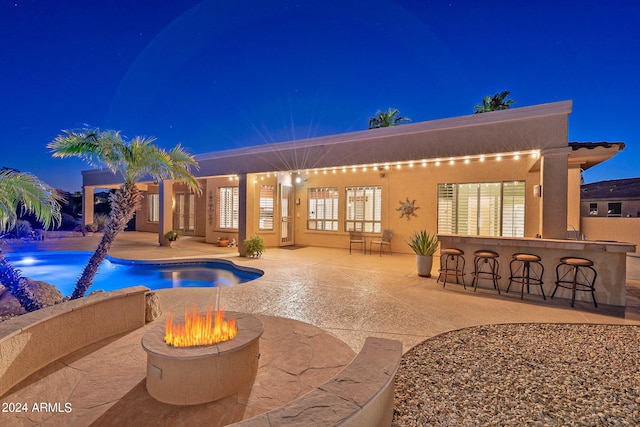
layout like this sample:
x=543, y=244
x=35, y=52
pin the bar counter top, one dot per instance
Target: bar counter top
x=532, y=242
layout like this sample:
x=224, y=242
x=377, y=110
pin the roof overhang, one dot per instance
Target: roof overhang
x=589, y=154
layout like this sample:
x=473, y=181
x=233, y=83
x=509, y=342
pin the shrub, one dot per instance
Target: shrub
x=101, y=220
x=67, y=222
x=254, y=246
x=93, y=227
x=22, y=229
x=172, y=235
x=423, y=243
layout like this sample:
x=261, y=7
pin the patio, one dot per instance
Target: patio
x=349, y=296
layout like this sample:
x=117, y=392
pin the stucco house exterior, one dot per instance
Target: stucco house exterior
x=505, y=173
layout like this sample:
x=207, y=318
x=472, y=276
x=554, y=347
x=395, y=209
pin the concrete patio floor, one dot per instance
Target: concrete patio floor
x=349, y=296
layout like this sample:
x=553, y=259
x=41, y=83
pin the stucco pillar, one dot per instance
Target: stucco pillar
x=242, y=213
x=554, y=180
x=165, y=217
x=87, y=204
x=573, y=200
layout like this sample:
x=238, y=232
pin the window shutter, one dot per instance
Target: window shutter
x=447, y=208
x=322, y=209
x=513, y=195
x=364, y=209
x=265, y=221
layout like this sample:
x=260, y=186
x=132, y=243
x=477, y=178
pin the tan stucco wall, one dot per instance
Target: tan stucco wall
x=142, y=214
x=618, y=229
x=573, y=197
x=417, y=183
x=33, y=340
x=212, y=231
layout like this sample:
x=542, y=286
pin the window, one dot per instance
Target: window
x=153, y=207
x=614, y=209
x=513, y=209
x=593, y=209
x=265, y=220
x=482, y=209
x=323, y=209
x=364, y=209
x=228, y=207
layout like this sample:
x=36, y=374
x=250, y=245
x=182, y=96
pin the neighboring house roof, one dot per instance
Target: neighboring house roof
x=615, y=189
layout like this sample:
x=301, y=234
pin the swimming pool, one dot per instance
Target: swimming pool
x=62, y=269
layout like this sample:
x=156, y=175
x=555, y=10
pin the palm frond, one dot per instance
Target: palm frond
x=20, y=190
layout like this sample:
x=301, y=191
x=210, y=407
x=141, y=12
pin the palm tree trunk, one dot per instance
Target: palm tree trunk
x=17, y=285
x=124, y=203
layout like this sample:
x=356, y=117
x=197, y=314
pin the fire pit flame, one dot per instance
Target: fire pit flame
x=200, y=329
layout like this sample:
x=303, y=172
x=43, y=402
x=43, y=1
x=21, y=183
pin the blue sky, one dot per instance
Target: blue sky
x=213, y=75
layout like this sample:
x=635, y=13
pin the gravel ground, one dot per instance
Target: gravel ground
x=522, y=374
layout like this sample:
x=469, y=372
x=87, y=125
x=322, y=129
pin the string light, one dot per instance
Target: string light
x=516, y=155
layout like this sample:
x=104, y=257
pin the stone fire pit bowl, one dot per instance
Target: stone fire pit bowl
x=194, y=375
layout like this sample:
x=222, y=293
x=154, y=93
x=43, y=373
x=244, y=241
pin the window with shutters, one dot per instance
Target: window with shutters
x=364, y=209
x=513, y=209
x=228, y=205
x=482, y=209
x=153, y=207
x=265, y=221
x=322, y=209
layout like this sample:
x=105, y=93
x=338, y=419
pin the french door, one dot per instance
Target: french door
x=185, y=213
x=286, y=215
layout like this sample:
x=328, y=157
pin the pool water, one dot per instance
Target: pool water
x=63, y=269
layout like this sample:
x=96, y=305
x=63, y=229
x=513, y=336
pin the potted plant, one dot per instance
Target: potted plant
x=424, y=245
x=223, y=241
x=172, y=236
x=254, y=246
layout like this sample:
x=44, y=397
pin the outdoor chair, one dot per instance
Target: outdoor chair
x=384, y=241
x=357, y=238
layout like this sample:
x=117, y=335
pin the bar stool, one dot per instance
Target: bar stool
x=524, y=274
x=455, y=257
x=577, y=274
x=486, y=267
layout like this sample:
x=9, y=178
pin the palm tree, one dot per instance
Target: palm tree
x=494, y=103
x=134, y=160
x=387, y=118
x=24, y=192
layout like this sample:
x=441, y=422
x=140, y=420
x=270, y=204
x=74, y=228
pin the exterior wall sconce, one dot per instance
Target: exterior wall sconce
x=537, y=191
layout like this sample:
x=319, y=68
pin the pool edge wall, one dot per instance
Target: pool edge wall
x=33, y=340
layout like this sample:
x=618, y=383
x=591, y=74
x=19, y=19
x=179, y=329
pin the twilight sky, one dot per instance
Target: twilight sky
x=214, y=75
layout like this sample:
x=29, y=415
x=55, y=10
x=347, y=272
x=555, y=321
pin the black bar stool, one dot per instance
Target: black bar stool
x=576, y=274
x=451, y=256
x=524, y=273
x=486, y=267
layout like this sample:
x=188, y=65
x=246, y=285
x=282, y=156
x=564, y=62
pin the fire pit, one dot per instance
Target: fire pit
x=196, y=374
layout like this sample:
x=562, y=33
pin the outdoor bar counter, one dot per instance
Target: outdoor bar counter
x=609, y=259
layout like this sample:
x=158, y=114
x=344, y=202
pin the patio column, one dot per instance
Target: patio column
x=87, y=204
x=165, y=217
x=554, y=180
x=242, y=212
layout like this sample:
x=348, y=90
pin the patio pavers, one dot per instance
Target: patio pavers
x=349, y=296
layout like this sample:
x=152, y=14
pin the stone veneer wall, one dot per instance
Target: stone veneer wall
x=33, y=340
